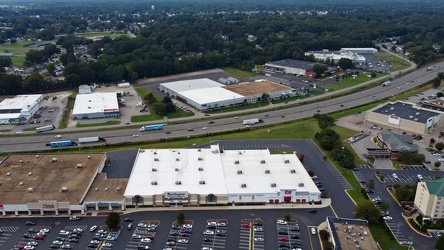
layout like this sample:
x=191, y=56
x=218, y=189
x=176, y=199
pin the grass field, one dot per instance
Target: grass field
x=349, y=81
x=238, y=72
x=88, y=35
x=107, y=123
x=398, y=63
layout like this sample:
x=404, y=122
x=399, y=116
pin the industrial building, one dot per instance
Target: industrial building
x=403, y=116
x=96, y=105
x=392, y=145
x=207, y=94
x=334, y=57
x=193, y=177
x=359, y=51
x=19, y=109
x=429, y=194
x=290, y=66
x=348, y=233
x=48, y=183
x=84, y=89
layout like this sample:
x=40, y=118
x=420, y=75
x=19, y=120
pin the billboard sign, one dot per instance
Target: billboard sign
x=393, y=119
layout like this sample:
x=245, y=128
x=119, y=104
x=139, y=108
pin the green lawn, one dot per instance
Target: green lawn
x=398, y=63
x=238, y=72
x=65, y=116
x=88, y=35
x=238, y=108
x=107, y=123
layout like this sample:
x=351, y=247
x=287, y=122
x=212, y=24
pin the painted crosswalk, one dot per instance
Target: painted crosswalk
x=338, y=176
x=9, y=229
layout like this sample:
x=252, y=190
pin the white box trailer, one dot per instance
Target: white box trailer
x=91, y=139
x=252, y=121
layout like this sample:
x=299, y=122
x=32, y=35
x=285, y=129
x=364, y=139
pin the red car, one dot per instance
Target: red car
x=38, y=237
x=283, y=116
x=51, y=110
x=246, y=225
x=19, y=246
x=284, y=239
x=184, y=235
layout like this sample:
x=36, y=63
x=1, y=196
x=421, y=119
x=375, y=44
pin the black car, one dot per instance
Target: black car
x=92, y=245
x=143, y=247
x=171, y=243
x=73, y=240
x=175, y=227
x=258, y=224
x=128, y=219
x=30, y=223
x=282, y=232
x=190, y=129
x=312, y=211
x=207, y=240
x=295, y=236
x=53, y=246
x=27, y=236
x=210, y=122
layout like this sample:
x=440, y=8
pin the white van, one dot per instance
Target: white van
x=58, y=136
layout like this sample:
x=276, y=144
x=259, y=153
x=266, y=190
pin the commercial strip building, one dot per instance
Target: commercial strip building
x=334, y=56
x=193, y=177
x=404, y=116
x=290, y=66
x=350, y=234
x=19, y=109
x=63, y=184
x=391, y=145
x=429, y=199
x=206, y=94
x=95, y=105
x=359, y=50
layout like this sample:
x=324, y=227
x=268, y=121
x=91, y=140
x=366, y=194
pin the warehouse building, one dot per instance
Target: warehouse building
x=193, y=177
x=334, y=57
x=19, y=109
x=48, y=183
x=359, y=51
x=293, y=67
x=404, y=116
x=429, y=194
x=206, y=94
x=98, y=105
x=84, y=89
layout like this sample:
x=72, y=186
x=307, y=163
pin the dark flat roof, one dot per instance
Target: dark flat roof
x=433, y=107
x=406, y=111
x=293, y=64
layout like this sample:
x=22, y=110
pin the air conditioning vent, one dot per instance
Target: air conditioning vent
x=239, y=172
x=154, y=170
x=287, y=161
x=273, y=185
x=293, y=171
x=200, y=169
x=154, y=183
x=21, y=183
x=79, y=166
x=201, y=182
x=243, y=185
x=267, y=171
x=177, y=159
x=199, y=159
x=118, y=188
x=176, y=169
x=178, y=183
x=64, y=190
x=31, y=190
x=155, y=152
x=262, y=161
x=156, y=159
x=236, y=162
x=301, y=184
x=199, y=150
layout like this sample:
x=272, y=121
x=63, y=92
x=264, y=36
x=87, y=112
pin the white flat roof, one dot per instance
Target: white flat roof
x=95, y=103
x=10, y=116
x=185, y=85
x=210, y=95
x=20, y=102
x=219, y=171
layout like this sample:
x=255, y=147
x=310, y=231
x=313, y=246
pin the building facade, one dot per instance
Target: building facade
x=429, y=199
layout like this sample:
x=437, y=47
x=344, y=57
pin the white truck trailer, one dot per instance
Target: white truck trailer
x=91, y=139
x=252, y=121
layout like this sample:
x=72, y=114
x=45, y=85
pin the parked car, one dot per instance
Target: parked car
x=93, y=228
x=313, y=230
x=30, y=223
x=312, y=211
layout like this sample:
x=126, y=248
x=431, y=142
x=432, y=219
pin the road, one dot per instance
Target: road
x=26, y=143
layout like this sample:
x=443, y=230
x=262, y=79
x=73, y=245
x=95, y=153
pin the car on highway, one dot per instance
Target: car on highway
x=58, y=136
x=205, y=128
x=283, y=116
x=19, y=132
x=210, y=122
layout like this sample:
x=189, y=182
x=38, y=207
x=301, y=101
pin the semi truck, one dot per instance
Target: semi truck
x=91, y=139
x=151, y=127
x=55, y=144
x=45, y=128
x=252, y=121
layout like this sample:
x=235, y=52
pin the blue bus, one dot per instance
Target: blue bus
x=151, y=127
x=55, y=144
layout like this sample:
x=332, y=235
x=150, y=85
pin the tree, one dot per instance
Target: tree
x=403, y=193
x=113, y=220
x=319, y=69
x=34, y=56
x=367, y=210
x=150, y=99
x=166, y=100
x=5, y=61
x=50, y=67
x=371, y=184
x=436, y=82
x=160, y=109
x=287, y=217
x=371, y=159
x=439, y=245
x=345, y=63
x=180, y=218
x=432, y=140
x=437, y=164
x=384, y=205
x=439, y=146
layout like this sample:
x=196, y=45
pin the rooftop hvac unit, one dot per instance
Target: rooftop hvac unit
x=37, y=156
x=155, y=152
x=292, y=171
x=64, y=190
x=199, y=150
x=8, y=174
x=89, y=156
x=202, y=182
x=199, y=159
x=239, y=171
x=154, y=170
x=79, y=166
x=287, y=161
x=301, y=184
x=54, y=160
x=262, y=161
x=31, y=190
x=273, y=185
x=106, y=189
x=177, y=159
x=21, y=183
x=267, y=171
x=417, y=113
x=243, y=185
x=154, y=183
x=236, y=162
x=30, y=173
x=97, y=189
x=118, y=188
x=176, y=169
x=21, y=162
x=200, y=169
x=156, y=159
x=178, y=183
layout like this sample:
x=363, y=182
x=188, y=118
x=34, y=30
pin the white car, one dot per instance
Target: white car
x=420, y=177
x=281, y=222
x=387, y=218
x=135, y=136
x=57, y=242
x=107, y=244
x=313, y=230
x=236, y=117
x=19, y=132
x=58, y=136
x=395, y=176
x=93, y=228
x=183, y=241
x=259, y=239
x=205, y=128
x=33, y=243
x=208, y=232
x=145, y=240
x=142, y=225
x=438, y=234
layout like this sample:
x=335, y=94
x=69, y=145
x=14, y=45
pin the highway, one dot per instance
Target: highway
x=38, y=142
